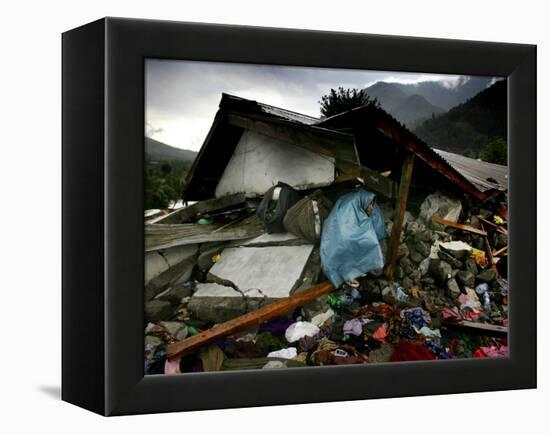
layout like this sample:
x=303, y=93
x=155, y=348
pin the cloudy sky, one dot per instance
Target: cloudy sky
x=181, y=97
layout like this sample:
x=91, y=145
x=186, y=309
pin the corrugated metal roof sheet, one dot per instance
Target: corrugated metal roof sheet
x=480, y=173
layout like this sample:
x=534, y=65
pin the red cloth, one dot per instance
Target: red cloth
x=406, y=351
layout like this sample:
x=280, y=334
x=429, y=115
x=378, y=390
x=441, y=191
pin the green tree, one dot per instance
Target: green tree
x=495, y=151
x=341, y=100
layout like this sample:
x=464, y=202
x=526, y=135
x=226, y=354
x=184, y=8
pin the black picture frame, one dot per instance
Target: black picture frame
x=103, y=161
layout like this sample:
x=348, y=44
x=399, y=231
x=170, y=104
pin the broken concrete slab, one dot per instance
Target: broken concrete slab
x=459, y=249
x=157, y=310
x=274, y=271
x=166, y=267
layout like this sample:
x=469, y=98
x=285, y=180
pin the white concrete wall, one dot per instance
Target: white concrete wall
x=259, y=162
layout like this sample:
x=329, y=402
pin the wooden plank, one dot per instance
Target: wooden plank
x=478, y=326
x=501, y=251
x=161, y=236
x=248, y=320
x=182, y=215
x=401, y=207
x=460, y=226
x=489, y=252
x=500, y=229
x=373, y=181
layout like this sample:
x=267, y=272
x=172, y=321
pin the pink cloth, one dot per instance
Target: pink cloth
x=172, y=367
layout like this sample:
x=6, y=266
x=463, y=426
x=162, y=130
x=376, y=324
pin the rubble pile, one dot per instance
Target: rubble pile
x=448, y=297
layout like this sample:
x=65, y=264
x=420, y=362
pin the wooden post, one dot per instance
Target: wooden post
x=401, y=206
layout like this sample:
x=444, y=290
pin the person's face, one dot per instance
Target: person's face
x=370, y=209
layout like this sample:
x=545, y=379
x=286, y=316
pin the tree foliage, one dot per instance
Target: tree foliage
x=495, y=151
x=341, y=100
x=164, y=182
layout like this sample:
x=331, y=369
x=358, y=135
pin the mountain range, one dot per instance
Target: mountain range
x=158, y=151
x=469, y=127
x=414, y=102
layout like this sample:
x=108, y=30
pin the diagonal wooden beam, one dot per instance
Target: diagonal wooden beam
x=401, y=207
x=246, y=321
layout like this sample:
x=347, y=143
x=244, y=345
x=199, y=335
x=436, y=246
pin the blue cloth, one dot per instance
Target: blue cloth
x=350, y=240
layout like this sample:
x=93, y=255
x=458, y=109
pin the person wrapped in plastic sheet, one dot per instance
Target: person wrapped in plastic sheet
x=350, y=241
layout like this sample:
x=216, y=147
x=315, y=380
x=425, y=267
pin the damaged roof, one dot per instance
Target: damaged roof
x=483, y=175
x=342, y=136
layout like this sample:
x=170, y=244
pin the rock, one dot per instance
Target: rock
x=157, y=310
x=182, y=333
x=399, y=272
x=455, y=263
x=471, y=266
x=407, y=283
x=404, y=249
x=422, y=248
x=440, y=205
x=458, y=249
x=427, y=280
x=466, y=278
x=416, y=257
x=415, y=276
x=487, y=275
x=453, y=290
x=441, y=270
x=424, y=266
x=425, y=236
x=153, y=340
x=173, y=327
x=413, y=227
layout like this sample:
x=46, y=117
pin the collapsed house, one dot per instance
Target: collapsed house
x=214, y=262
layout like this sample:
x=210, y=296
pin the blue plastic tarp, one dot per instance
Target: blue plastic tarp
x=350, y=244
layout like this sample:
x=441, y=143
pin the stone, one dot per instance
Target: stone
x=458, y=249
x=424, y=266
x=422, y=248
x=153, y=340
x=425, y=236
x=407, y=283
x=416, y=257
x=455, y=263
x=173, y=327
x=399, y=272
x=465, y=278
x=182, y=333
x=487, y=275
x=157, y=310
x=453, y=290
x=415, y=276
x=414, y=227
x=274, y=271
x=439, y=205
x=441, y=270
x=471, y=266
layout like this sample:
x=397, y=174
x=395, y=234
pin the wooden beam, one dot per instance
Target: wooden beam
x=501, y=251
x=372, y=179
x=460, y=226
x=182, y=215
x=401, y=206
x=477, y=326
x=246, y=321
